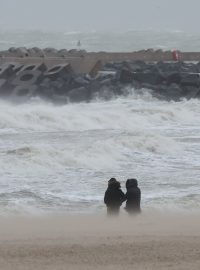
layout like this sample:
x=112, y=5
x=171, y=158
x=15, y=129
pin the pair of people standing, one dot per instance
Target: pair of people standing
x=114, y=197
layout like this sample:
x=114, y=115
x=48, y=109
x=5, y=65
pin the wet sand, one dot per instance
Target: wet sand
x=153, y=240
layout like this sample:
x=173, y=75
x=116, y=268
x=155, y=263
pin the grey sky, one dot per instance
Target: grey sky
x=120, y=15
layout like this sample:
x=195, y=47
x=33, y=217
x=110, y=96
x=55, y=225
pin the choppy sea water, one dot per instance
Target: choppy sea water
x=59, y=158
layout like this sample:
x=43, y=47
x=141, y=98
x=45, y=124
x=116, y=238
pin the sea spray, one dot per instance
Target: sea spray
x=66, y=154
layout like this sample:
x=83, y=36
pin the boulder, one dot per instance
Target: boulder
x=174, y=92
x=79, y=94
x=2, y=86
x=50, y=52
x=174, y=77
x=78, y=81
x=126, y=76
x=62, y=53
x=190, y=91
x=37, y=52
x=59, y=86
x=21, y=52
x=105, y=93
x=153, y=78
x=190, y=79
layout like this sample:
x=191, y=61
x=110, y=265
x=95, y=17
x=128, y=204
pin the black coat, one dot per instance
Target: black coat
x=114, y=197
x=133, y=196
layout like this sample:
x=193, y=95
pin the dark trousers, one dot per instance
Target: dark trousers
x=133, y=210
x=113, y=210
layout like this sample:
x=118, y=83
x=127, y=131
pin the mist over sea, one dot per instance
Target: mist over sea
x=129, y=40
x=59, y=158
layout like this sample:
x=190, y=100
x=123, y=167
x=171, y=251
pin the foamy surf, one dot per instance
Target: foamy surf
x=59, y=158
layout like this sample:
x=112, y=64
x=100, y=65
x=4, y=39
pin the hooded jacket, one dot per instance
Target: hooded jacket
x=133, y=196
x=114, y=196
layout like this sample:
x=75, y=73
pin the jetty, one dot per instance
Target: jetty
x=76, y=75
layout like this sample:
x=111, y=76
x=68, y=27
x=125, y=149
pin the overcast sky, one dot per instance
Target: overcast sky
x=73, y=15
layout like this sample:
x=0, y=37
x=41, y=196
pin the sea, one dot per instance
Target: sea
x=59, y=158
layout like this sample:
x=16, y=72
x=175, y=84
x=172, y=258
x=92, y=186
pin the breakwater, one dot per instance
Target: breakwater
x=73, y=76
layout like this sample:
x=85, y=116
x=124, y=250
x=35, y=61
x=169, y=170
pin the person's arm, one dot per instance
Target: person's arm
x=139, y=195
x=106, y=198
x=139, y=199
x=123, y=196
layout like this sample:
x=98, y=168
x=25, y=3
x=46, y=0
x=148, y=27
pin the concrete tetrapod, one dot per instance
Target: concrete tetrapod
x=41, y=67
x=6, y=70
x=27, y=77
x=58, y=71
x=23, y=93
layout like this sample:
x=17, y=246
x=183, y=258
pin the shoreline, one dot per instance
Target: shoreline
x=149, y=241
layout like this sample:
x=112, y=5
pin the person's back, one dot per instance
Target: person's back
x=114, y=197
x=133, y=196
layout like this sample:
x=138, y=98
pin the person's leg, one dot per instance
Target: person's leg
x=112, y=211
x=133, y=211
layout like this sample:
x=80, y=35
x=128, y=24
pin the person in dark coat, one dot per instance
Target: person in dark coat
x=114, y=197
x=133, y=197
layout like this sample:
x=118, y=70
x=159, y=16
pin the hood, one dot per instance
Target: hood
x=131, y=183
x=113, y=183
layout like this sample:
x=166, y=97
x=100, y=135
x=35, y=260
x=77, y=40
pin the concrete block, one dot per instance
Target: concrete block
x=95, y=69
x=23, y=93
x=41, y=67
x=59, y=71
x=6, y=70
x=27, y=77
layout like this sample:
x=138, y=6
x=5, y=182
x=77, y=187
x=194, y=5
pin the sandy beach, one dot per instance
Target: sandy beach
x=152, y=240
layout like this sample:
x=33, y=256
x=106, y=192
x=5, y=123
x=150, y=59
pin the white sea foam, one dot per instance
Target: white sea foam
x=65, y=154
x=130, y=113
